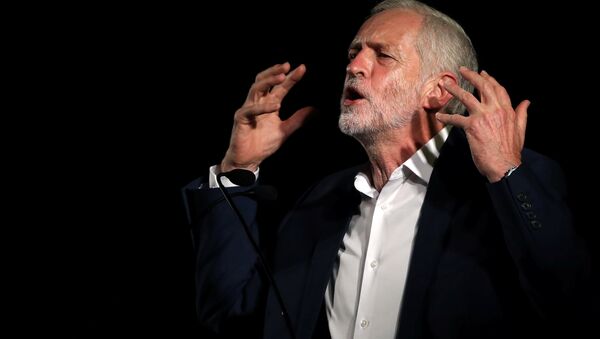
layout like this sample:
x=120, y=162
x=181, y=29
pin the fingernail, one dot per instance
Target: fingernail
x=484, y=72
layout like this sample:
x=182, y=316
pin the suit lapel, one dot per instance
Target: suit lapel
x=338, y=212
x=446, y=188
x=444, y=192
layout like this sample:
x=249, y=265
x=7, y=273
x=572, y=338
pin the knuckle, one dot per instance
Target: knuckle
x=468, y=127
x=480, y=121
x=465, y=97
x=487, y=87
x=239, y=113
x=253, y=87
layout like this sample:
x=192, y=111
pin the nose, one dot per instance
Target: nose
x=359, y=66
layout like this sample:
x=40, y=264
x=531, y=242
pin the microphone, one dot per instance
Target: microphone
x=240, y=177
x=243, y=177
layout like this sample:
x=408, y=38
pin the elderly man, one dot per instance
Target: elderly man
x=447, y=232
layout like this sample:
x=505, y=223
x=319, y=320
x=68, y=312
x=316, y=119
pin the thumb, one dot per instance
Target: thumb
x=297, y=119
x=521, y=112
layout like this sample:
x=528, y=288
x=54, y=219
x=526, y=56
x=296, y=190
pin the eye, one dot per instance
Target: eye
x=383, y=55
x=351, y=55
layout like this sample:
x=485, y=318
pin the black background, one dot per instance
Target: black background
x=145, y=103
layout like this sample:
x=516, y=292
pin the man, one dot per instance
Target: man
x=445, y=233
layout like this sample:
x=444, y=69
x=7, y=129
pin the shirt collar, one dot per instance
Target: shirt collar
x=420, y=164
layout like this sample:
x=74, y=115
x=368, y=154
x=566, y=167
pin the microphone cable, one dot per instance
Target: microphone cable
x=242, y=177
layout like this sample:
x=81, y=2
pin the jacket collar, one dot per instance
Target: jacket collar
x=451, y=182
x=453, y=173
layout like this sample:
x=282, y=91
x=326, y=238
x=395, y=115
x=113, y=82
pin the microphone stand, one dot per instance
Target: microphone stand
x=261, y=258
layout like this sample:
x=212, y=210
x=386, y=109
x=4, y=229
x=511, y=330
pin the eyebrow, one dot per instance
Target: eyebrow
x=357, y=45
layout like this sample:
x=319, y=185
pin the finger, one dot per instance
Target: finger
x=251, y=111
x=452, y=119
x=281, y=90
x=483, y=86
x=521, y=112
x=467, y=98
x=501, y=93
x=263, y=86
x=273, y=70
x=298, y=119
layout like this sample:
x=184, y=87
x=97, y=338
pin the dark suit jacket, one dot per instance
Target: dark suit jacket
x=489, y=260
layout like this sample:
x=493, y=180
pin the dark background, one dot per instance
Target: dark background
x=145, y=103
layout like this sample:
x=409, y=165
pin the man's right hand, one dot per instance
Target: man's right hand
x=257, y=129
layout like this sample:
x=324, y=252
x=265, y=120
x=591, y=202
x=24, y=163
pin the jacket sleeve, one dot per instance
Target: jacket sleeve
x=230, y=288
x=553, y=264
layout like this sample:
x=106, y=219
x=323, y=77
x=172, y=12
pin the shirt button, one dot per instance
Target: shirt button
x=364, y=323
x=373, y=263
x=383, y=207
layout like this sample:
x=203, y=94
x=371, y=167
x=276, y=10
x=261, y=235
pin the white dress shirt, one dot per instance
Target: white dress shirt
x=364, y=295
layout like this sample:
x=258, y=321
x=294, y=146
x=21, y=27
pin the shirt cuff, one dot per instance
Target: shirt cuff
x=212, y=177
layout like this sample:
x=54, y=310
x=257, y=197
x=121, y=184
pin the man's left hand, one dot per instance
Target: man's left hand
x=495, y=131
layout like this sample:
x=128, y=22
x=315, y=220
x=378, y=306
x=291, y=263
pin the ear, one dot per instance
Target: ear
x=436, y=95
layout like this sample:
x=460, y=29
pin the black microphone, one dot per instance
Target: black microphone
x=243, y=177
x=240, y=177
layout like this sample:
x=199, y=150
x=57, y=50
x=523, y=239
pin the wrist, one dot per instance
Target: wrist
x=505, y=172
x=510, y=171
x=227, y=166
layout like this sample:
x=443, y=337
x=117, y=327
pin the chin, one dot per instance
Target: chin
x=350, y=125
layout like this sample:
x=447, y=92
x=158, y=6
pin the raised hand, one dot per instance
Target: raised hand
x=257, y=129
x=495, y=131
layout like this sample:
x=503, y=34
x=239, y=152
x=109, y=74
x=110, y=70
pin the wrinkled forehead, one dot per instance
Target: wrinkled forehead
x=392, y=26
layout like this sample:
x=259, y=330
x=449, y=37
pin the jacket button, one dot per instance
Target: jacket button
x=522, y=197
x=535, y=224
x=530, y=215
x=526, y=206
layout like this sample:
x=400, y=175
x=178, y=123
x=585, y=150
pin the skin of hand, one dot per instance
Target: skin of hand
x=495, y=131
x=258, y=131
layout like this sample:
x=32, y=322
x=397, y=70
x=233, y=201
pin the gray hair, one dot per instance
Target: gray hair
x=442, y=45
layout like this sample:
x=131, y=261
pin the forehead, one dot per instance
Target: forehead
x=393, y=26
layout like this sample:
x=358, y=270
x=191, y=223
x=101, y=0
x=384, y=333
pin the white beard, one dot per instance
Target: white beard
x=393, y=109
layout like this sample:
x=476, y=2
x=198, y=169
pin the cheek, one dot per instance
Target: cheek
x=392, y=86
x=394, y=80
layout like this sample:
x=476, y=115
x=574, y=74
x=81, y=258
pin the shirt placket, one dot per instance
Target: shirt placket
x=366, y=306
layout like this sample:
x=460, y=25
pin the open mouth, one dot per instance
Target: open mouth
x=352, y=95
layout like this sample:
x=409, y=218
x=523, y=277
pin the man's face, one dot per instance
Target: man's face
x=381, y=90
